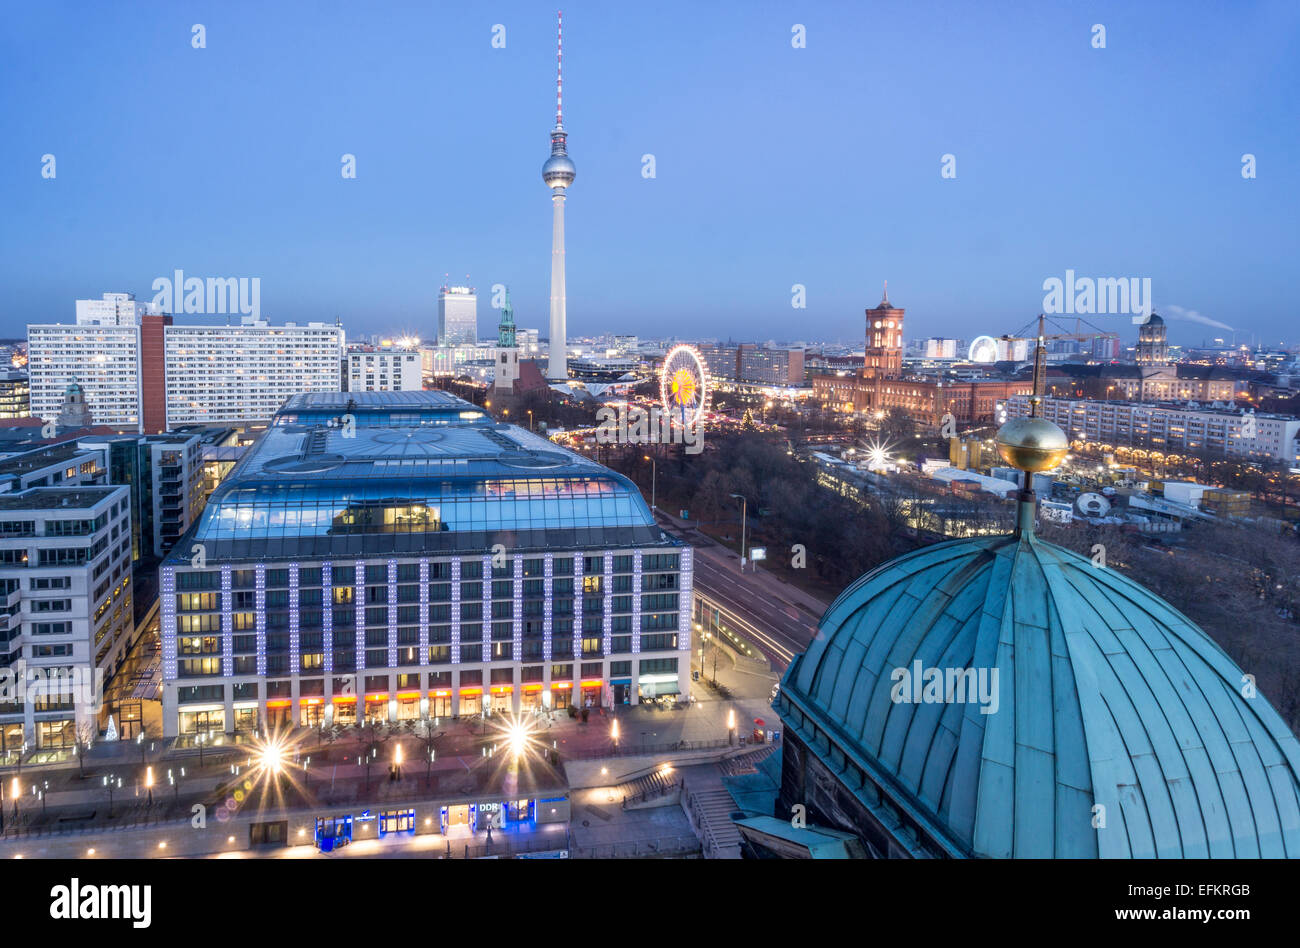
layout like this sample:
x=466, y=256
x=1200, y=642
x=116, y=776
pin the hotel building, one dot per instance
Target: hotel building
x=400, y=555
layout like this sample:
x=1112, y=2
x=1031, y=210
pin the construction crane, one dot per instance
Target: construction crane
x=1040, y=349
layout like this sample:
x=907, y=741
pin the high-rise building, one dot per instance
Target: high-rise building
x=355, y=573
x=1153, y=344
x=939, y=348
x=105, y=361
x=385, y=370
x=223, y=374
x=457, y=316
x=114, y=309
x=65, y=570
x=558, y=172
x=749, y=364
x=15, y=394
x=156, y=375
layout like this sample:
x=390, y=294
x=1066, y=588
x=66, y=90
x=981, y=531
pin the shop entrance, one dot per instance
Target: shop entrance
x=397, y=821
x=458, y=815
x=622, y=692
x=311, y=715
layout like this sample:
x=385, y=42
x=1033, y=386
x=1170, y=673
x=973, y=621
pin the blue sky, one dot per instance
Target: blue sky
x=774, y=165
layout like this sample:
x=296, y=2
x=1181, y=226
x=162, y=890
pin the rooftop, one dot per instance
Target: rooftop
x=306, y=490
x=40, y=457
x=368, y=409
x=1091, y=691
x=40, y=498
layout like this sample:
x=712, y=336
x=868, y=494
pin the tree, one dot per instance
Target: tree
x=428, y=734
x=83, y=739
x=371, y=737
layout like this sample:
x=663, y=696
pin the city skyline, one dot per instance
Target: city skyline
x=863, y=200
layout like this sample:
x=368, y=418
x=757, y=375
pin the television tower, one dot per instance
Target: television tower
x=558, y=172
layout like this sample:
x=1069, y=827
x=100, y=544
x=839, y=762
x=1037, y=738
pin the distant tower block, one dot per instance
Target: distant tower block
x=558, y=172
x=884, y=357
x=1153, y=343
x=506, y=372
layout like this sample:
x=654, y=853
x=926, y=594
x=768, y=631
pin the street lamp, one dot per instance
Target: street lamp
x=654, y=475
x=530, y=419
x=731, y=725
x=744, y=513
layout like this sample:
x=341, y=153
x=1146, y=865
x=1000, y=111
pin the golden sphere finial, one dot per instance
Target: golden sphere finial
x=1032, y=444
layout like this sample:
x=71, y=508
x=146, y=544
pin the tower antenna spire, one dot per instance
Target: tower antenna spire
x=559, y=68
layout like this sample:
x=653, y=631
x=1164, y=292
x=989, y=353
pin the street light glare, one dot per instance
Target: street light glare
x=518, y=738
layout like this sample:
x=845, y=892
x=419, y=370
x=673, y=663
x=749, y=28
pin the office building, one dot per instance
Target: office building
x=114, y=309
x=65, y=573
x=749, y=364
x=164, y=473
x=15, y=394
x=420, y=560
x=937, y=348
x=386, y=370
x=457, y=316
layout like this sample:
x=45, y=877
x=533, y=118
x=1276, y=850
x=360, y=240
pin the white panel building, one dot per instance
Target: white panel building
x=388, y=370
x=225, y=374
x=114, y=309
x=105, y=359
x=1181, y=429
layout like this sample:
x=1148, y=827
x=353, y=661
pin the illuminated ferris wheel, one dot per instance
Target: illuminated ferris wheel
x=684, y=386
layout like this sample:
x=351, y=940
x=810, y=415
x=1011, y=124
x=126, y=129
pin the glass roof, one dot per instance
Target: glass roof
x=322, y=489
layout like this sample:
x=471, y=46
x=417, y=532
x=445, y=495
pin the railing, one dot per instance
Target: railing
x=673, y=846
x=506, y=848
x=696, y=813
x=652, y=793
x=625, y=750
x=137, y=821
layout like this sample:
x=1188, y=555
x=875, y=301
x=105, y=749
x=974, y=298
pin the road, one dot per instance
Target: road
x=777, y=617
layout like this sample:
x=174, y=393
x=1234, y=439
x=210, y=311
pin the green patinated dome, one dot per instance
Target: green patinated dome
x=1106, y=695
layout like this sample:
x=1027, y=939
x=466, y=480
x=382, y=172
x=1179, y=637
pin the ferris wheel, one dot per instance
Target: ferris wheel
x=684, y=386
